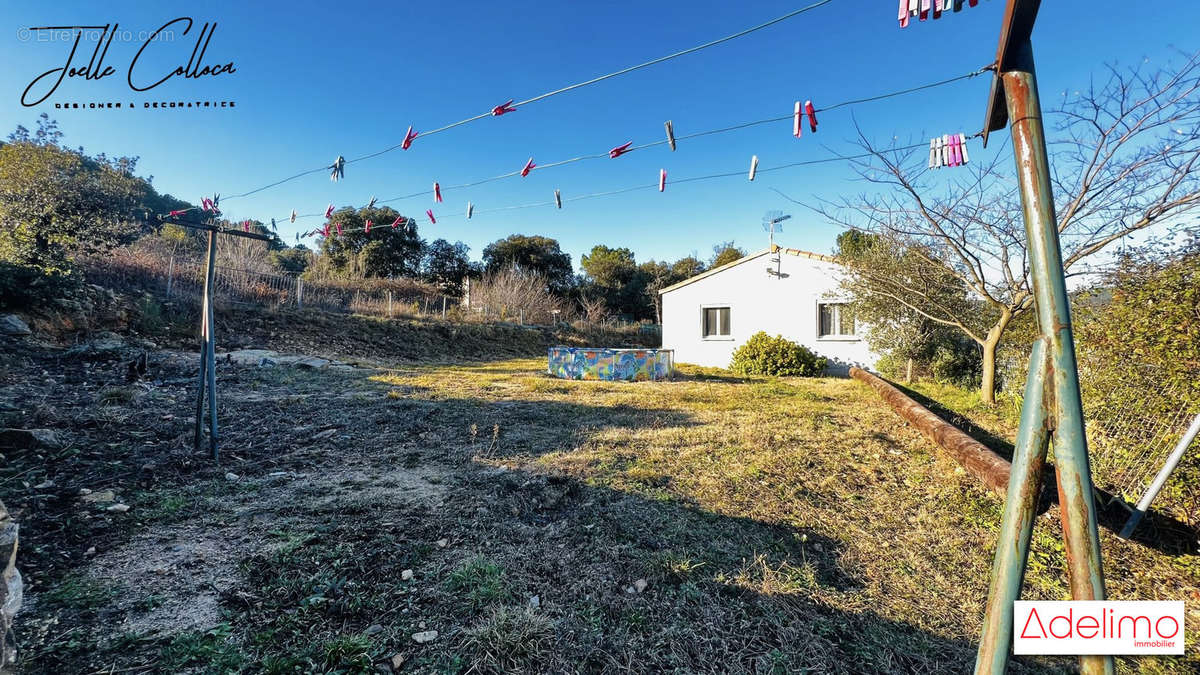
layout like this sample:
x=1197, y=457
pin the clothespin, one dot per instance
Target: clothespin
x=958, y=5
x=273, y=228
x=670, y=135
x=962, y=142
x=397, y=221
x=246, y=225
x=329, y=212
x=503, y=108
x=924, y=9
x=206, y=204
x=367, y=227
x=619, y=150
x=325, y=230
x=558, y=198
x=662, y=180
x=956, y=149
x=753, y=166
x=408, y=138
x=797, y=118
x=339, y=169
x=339, y=228
x=297, y=237
x=216, y=202
x=437, y=192
x=371, y=204
x=176, y=214
x=932, y=153
x=470, y=210
x=293, y=218
x=812, y=115
x=938, y=7
x=529, y=166
x=429, y=212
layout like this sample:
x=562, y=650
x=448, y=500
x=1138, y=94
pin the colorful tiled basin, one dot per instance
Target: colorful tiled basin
x=585, y=363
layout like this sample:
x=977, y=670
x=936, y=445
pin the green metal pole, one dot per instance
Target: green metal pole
x=1080, y=533
x=1020, y=509
x=204, y=332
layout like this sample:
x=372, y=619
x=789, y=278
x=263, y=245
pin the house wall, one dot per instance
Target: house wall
x=780, y=305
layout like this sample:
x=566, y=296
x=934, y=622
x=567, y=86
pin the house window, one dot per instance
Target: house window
x=715, y=323
x=836, y=320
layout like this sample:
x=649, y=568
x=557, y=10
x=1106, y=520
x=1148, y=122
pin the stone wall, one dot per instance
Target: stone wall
x=10, y=588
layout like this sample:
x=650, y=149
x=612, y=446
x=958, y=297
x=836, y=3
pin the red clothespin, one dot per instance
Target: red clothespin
x=367, y=227
x=175, y=214
x=293, y=218
x=246, y=225
x=558, y=198
x=529, y=166
x=797, y=119
x=206, y=204
x=470, y=210
x=429, y=212
x=938, y=7
x=753, y=166
x=503, y=108
x=397, y=221
x=903, y=13
x=974, y=2
x=339, y=228
x=325, y=230
x=619, y=150
x=329, y=212
x=812, y=115
x=662, y=180
x=437, y=192
x=670, y=135
x=924, y=9
x=408, y=138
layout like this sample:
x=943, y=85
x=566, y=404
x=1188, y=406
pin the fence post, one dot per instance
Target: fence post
x=170, y=274
x=443, y=307
x=389, y=303
x=522, y=319
x=299, y=293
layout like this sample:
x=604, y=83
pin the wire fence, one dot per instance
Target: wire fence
x=1134, y=421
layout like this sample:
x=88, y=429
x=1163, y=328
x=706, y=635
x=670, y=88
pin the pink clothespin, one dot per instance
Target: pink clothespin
x=437, y=192
x=429, y=212
x=246, y=225
x=962, y=144
x=797, y=118
x=903, y=13
x=339, y=228
x=408, y=138
x=529, y=166
x=503, y=108
x=206, y=204
x=293, y=218
x=937, y=8
x=329, y=212
x=325, y=230
x=175, y=214
x=619, y=150
x=662, y=180
x=924, y=9
x=812, y=115
x=397, y=221
x=367, y=227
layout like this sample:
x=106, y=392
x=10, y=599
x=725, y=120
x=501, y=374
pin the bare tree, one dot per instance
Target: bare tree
x=1123, y=155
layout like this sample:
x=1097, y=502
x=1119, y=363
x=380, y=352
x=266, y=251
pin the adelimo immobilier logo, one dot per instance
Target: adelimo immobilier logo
x=1098, y=627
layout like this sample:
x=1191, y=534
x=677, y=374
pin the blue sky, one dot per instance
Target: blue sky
x=319, y=79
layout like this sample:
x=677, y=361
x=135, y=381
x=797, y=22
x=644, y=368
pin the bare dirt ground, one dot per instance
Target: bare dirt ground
x=402, y=515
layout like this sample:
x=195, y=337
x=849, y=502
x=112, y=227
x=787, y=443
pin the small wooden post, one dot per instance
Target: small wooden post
x=208, y=364
x=389, y=304
x=443, y=307
x=299, y=293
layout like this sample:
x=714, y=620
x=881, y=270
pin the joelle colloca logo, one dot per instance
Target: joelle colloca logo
x=143, y=73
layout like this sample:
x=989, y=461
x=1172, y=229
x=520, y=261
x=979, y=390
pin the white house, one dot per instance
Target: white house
x=781, y=291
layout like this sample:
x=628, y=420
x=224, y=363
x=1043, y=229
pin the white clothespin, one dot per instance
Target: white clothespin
x=662, y=180
x=558, y=198
x=670, y=135
x=946, y=156
x=470, y=210
x=797, y=118
x=753, y=166
x=933, y=153
x=293, y=218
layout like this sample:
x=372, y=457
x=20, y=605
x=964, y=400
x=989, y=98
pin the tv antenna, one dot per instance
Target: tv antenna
x=772, y=222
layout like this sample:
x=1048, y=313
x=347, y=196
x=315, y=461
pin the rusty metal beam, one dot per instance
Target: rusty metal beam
x=979, y=460
x=1017, y=28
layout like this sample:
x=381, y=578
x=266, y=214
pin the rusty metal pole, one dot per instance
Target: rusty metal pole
x=1061, y=400
x=1020, y=510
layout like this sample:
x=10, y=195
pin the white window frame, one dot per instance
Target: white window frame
x=836, y=337
x=717, y=337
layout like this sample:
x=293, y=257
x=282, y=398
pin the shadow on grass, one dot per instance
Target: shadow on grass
x=1158, y=530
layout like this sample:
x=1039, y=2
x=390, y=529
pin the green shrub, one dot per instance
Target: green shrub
x=766, y=355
